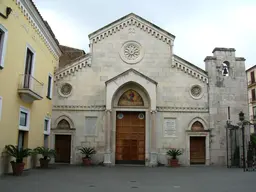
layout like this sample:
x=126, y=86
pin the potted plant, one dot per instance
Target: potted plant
x=47, y=154
x=87, y=152
x=18, y=154
x=173, y=153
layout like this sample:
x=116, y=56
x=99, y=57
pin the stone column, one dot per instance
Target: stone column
x=107, y=155
x=153, y=150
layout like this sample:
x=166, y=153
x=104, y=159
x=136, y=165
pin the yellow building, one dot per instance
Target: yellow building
x=251, y=72
x=29, y=53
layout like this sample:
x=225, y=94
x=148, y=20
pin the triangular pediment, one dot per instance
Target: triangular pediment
x=131, y=20
x=131, y=72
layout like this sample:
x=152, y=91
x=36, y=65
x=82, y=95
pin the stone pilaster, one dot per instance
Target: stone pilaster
x=153, y=150
x=107, y=155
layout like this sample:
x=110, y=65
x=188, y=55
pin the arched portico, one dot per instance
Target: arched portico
x=130, y=84
x=198, y=141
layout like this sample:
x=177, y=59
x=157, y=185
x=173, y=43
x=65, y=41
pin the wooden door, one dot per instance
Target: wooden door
x=130, y=137
x=63, y=148
x=197, y=150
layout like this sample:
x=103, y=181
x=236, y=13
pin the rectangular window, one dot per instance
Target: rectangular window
x=252, y=77
x=24, y=119
x=46, y=141
x=3, y=42
x=253, y=95
x=1, y=106
x=90, y=126
x=28, y=68
x=47, y=126
x=49, y=88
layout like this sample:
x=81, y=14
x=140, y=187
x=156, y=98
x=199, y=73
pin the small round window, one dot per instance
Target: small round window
x=196, y=91
x=65, y=90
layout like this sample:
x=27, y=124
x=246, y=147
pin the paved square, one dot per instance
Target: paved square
x=124, y=178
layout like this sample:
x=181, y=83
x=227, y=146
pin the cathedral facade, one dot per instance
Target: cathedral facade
x=132, y=99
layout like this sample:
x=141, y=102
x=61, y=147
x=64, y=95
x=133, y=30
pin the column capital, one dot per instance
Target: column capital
x=108, y=110
x=153, y=111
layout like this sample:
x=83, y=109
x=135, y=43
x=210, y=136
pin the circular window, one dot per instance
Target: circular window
x=120, y=116
x=131, y=52
x=65, y=90
x=196, y=91
x=141, y=116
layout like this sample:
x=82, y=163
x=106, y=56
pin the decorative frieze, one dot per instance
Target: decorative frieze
x=79, y=108
x=132, y=21
x=28, y=9
x=182, y=109
x=73, y=68
x=190, y=70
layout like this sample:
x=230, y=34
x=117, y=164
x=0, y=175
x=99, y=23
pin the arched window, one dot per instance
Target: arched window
x=197, y=126
x=225, y=68
x=63, y=124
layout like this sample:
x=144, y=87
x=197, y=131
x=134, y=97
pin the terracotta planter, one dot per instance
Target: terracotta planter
x=87, y=161
x=174, y=163
x=17, y=168
x=44, y=163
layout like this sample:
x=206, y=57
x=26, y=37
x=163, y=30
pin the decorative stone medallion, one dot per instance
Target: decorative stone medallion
x=196, y=91
x=131, y=52
x=65, y=90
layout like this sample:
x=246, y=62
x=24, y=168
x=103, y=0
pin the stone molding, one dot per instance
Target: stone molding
x=179, y=64
x=29, y=11
x=103, y=108
x=79, y=108
x=130, y=20
x=73, y=68
x=182, y=109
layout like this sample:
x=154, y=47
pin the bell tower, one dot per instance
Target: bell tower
x=227, y=88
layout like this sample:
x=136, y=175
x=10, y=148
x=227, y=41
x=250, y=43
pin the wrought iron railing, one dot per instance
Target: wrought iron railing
x=29, y=82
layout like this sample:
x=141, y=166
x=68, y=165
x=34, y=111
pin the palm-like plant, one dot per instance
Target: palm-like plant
x=45, y=152
x=174, y=153
x=17, y=153
x=87, y=151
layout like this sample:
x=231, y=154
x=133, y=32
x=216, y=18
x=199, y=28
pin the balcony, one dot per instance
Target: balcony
x=29, y=89
x=252, y=100
x=251, y=84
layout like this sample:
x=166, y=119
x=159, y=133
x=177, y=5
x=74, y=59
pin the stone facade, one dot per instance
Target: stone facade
x=132, y=53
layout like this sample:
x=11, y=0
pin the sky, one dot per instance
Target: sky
x=199, y=25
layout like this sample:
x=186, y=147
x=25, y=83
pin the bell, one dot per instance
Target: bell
x=225, y=71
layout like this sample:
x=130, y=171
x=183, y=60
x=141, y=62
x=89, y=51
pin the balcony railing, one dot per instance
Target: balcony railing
x=252, y=100
x=251, y=83
x=30, y=89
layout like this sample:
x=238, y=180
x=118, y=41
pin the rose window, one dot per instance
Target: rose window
x=131, y=51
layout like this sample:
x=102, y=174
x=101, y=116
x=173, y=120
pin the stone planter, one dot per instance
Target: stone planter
x=17, y=168
x=44, y=163
x=174, y=163
x=87, y=161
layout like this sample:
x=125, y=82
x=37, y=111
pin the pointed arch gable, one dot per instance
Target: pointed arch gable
x=200, y=121
x=66, y=118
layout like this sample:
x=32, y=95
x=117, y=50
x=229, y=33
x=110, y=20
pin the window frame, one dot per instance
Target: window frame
x=252, y=76
x=48, y=126
x=49, y=94
x=3, y=45
x=27, y=111
x=1, y=107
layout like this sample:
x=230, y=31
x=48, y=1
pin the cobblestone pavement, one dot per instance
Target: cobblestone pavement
x=128, y=178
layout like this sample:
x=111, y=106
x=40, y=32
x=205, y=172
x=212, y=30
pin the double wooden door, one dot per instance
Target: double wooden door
x=130, y=137
x=63, y=148
x=197, y=150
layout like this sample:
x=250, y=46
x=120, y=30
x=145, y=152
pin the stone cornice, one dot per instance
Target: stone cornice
x=72, y=68
x=182, y=109
x=31, y=14
x=131, y=20
x=190, y=69
x=79, y=108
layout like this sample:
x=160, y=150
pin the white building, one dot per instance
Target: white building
x=132, y=98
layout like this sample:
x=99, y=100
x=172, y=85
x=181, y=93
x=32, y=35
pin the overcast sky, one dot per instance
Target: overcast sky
x=199, y=25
